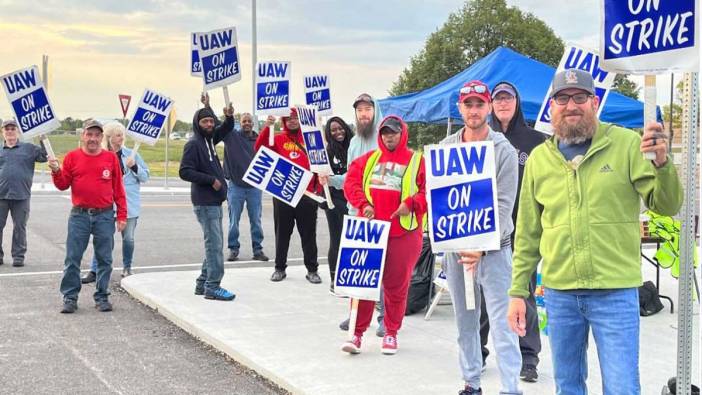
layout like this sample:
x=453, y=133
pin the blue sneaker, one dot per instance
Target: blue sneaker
x=219, y=293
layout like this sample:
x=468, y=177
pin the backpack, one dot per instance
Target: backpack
x=649, y=302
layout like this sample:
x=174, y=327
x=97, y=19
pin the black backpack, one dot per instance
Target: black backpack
x=649, y=302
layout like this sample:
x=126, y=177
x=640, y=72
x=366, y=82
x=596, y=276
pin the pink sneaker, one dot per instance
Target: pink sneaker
x=352, y=346
x=389, y=345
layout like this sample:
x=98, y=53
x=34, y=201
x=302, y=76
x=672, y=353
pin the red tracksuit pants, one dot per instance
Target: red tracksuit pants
x=401, y=256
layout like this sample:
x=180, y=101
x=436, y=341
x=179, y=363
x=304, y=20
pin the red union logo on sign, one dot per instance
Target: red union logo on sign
x=124, y=101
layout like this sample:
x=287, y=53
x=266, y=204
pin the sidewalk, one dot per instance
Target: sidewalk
x=288, y=332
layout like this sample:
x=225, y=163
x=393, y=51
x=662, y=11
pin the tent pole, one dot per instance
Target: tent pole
x=448, y=127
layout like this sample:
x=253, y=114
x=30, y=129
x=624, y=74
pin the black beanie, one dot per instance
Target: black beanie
x=205, y=113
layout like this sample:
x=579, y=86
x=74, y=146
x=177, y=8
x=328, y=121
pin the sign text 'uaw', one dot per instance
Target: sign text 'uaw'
x=362, y=250
x=317, y=93
x=27, y=96
x=219, y=57
x=273, y=88
x=314, y=140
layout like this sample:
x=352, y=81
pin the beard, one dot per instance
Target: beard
x=582, y=131
x=364, y=128
x=475, y=124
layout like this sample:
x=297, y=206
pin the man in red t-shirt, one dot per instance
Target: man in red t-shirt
x=95, y=178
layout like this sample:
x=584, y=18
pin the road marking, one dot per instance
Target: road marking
x=136, y=268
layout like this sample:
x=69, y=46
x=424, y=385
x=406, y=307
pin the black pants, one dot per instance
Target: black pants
x=335, y=221
x=284, y=219
x=530, y=344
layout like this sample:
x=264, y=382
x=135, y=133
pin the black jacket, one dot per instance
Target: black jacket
x=238, y=154
x=200, y=165
x=523, y=138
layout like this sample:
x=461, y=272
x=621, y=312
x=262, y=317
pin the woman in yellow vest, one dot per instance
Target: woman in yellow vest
x=388, y=184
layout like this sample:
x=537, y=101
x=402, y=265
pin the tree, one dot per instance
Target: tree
x=468, y=35
x=677, y=108
x=625, y=86
x=181, y=126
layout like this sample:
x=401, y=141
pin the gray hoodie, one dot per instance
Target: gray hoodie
x=506, y=166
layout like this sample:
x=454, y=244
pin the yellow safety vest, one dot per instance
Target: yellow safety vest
x=408, y=186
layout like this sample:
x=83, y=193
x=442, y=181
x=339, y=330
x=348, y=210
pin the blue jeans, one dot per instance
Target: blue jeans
x=210, y=219
x=127, y=245
x=236, y=196
x=614, y=318
x=80, y=226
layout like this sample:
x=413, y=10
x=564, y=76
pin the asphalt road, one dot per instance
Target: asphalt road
x=132, y=350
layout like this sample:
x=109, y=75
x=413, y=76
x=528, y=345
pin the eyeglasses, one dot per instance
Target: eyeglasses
x=473, y=88
x=578, y=98
x=503, y=99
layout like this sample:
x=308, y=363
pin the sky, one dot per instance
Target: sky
x=100, y=49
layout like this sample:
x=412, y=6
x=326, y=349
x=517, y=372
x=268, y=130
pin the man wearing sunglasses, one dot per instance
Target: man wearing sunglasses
x=579, y=215
x=492, y=270
x=507, y=118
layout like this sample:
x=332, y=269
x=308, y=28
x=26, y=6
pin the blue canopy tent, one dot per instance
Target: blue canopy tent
x=532, y=78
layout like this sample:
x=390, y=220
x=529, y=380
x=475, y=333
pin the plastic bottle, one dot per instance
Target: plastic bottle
x=541, y=305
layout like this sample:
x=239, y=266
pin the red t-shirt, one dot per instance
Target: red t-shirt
x=95, y=180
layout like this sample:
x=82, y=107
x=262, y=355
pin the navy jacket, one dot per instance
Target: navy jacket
x=200, y=165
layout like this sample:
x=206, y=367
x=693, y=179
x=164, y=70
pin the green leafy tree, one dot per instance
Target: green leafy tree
x=468, y=35
x=625, y=86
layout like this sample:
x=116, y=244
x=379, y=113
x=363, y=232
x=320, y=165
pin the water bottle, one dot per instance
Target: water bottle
x=541, y=305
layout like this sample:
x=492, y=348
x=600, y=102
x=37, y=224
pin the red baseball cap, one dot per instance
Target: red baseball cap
x=477, y=89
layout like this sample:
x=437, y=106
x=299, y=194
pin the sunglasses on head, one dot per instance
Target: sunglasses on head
x=473, y=88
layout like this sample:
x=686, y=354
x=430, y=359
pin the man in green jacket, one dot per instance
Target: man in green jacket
x=579, y=212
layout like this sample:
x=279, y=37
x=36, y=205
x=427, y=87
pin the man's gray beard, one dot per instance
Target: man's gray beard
x=366, y=130
x=578, y=133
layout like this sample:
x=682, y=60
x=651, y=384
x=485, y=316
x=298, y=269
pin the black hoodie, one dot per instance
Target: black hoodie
x=338, y=156
x=522, y=137
x=200, y=165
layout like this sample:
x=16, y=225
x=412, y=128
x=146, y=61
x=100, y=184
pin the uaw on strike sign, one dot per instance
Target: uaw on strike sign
x=462, y=197
x=281, y=178
x=27, y=96
x=650, y=36
x=149, y=117
x=219, y=57
x=362, y=250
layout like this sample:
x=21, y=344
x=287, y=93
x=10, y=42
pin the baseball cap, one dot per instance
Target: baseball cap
x=475, y=88
x=363, y=98
x=9, y=122
x=92, y=123
x=572, y=78
x=392, y=123
x=507, y=88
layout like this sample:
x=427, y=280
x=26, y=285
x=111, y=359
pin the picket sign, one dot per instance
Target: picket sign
x=277, y=176
x=30, y=103
x=218, y=52
x=315, y=144
x=148, y=119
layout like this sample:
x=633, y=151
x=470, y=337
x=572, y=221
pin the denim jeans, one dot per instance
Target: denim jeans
x=210, y=219
x=127, y=245
x=80, y=226
x=493, y=276
x=236, y=197
x=613, y=316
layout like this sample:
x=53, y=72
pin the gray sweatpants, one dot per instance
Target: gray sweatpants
x=19, y=209
x=494, y=276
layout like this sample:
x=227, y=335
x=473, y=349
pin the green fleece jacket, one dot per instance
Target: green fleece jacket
x=583, y=220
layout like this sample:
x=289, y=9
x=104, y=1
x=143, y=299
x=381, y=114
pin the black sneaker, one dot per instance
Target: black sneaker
x=69, y=307
x=219, y=293
x=529, y=374
x=126, y=272
x=278, y=275
x=468, y=390
x=88, y=278
x=344, y=325
x=199, y=289
x=260, y=256
x=103, y=306
x=18, y=263
x=313, y=277
x=233, y=256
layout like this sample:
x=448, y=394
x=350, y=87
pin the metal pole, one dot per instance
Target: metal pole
x=45, y=78
x=448, y=126
x=670, y=121
x=687, y=235
x=168, y=137
x=254, y=60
